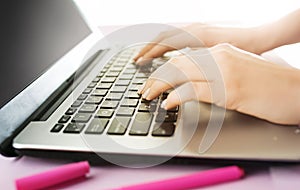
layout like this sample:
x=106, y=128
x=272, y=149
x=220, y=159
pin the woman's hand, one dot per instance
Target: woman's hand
x=203, y=35
x=230, y=78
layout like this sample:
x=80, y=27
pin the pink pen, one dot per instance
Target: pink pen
x=53, y=177
x=199, y=179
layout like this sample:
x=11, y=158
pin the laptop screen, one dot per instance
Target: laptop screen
x=35, y=34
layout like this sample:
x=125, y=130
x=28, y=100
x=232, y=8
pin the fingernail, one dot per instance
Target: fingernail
x=146, y=93
x=163, y=104
x=139, y=60
x=141, y=88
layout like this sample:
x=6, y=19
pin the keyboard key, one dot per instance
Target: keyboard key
x=114, y=96
x=121, y=89
x=94, y=100
x=88, y=108
x=64, y=119
x=82, y=97
x=81, y=118
x=130, y=71
x=142, y=75
x=108, y=80
x=57, y=128
x=97, y=79
x=134, y=87
x=74, y=128
x=132, y=95
x=166, y=117
x=109, y=104
x=87, y=91
x=104, y=85
x=122, y=82
x=97, y=126
x=99, y=92
x=163, y=130
x=105, y=113
x=76, y=103
x=92, y=85
x=71, y=111
x=116, y=69
x=118, y=126
x=139, y=81
x=129, y=102
x=112, y=74
x=126, y=76
x=141, y=124
x=125, y=111
x=147, y=107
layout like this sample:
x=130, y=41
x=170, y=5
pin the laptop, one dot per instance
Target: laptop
x=67, y=93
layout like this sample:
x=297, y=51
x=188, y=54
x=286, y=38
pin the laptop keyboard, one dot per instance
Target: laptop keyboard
x=111, y=105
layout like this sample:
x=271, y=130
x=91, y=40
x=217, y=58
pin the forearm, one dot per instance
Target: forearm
x=282, y=32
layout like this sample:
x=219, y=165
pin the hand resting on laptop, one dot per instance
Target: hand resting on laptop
x=252, y=84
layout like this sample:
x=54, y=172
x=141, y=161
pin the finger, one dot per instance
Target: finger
x=155, y=41
x=199, y=91
x=175, y=42
x=175, y=72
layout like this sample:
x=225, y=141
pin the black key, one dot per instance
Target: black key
x=74, y=128
x=104, y=85
x=166, y=117
x=82, y=97
x=175, y=109
x=139, y=81
x=163, y=130
x=57, y=128
x=141, y=124
x=100, y=75
x=132, y=95
x=88, y=108
x=130, y=71
x=134, y=87
x=108, y=79
x=142, y=75
x=154, y=101
x=114, y=96
x=81, y=118
x=71, y=111
x=116, y=69
x=122, y=82
x=76, y=103
x=147, y=107
x=97, y=126
x=105, y=113
x=92, y=85
x=94, y=100
x=100, y=92
x=64, y=119
x=125, y=111
x=126, y=76
x=121, y=89
x=97, y=79
x=129, y=102
x=118, y=126
x=112, y=74
x=109, y=104
x=87, y=91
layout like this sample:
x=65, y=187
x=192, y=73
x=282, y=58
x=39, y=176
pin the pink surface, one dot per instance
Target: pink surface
x=109, y=177
x=54, y=176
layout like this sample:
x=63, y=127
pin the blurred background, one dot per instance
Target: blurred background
x=249, y=12
x=243, y=13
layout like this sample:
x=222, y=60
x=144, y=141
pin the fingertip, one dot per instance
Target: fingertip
x=171, y=101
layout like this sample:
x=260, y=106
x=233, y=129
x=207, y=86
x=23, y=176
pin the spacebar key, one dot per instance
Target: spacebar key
x=141, y=124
